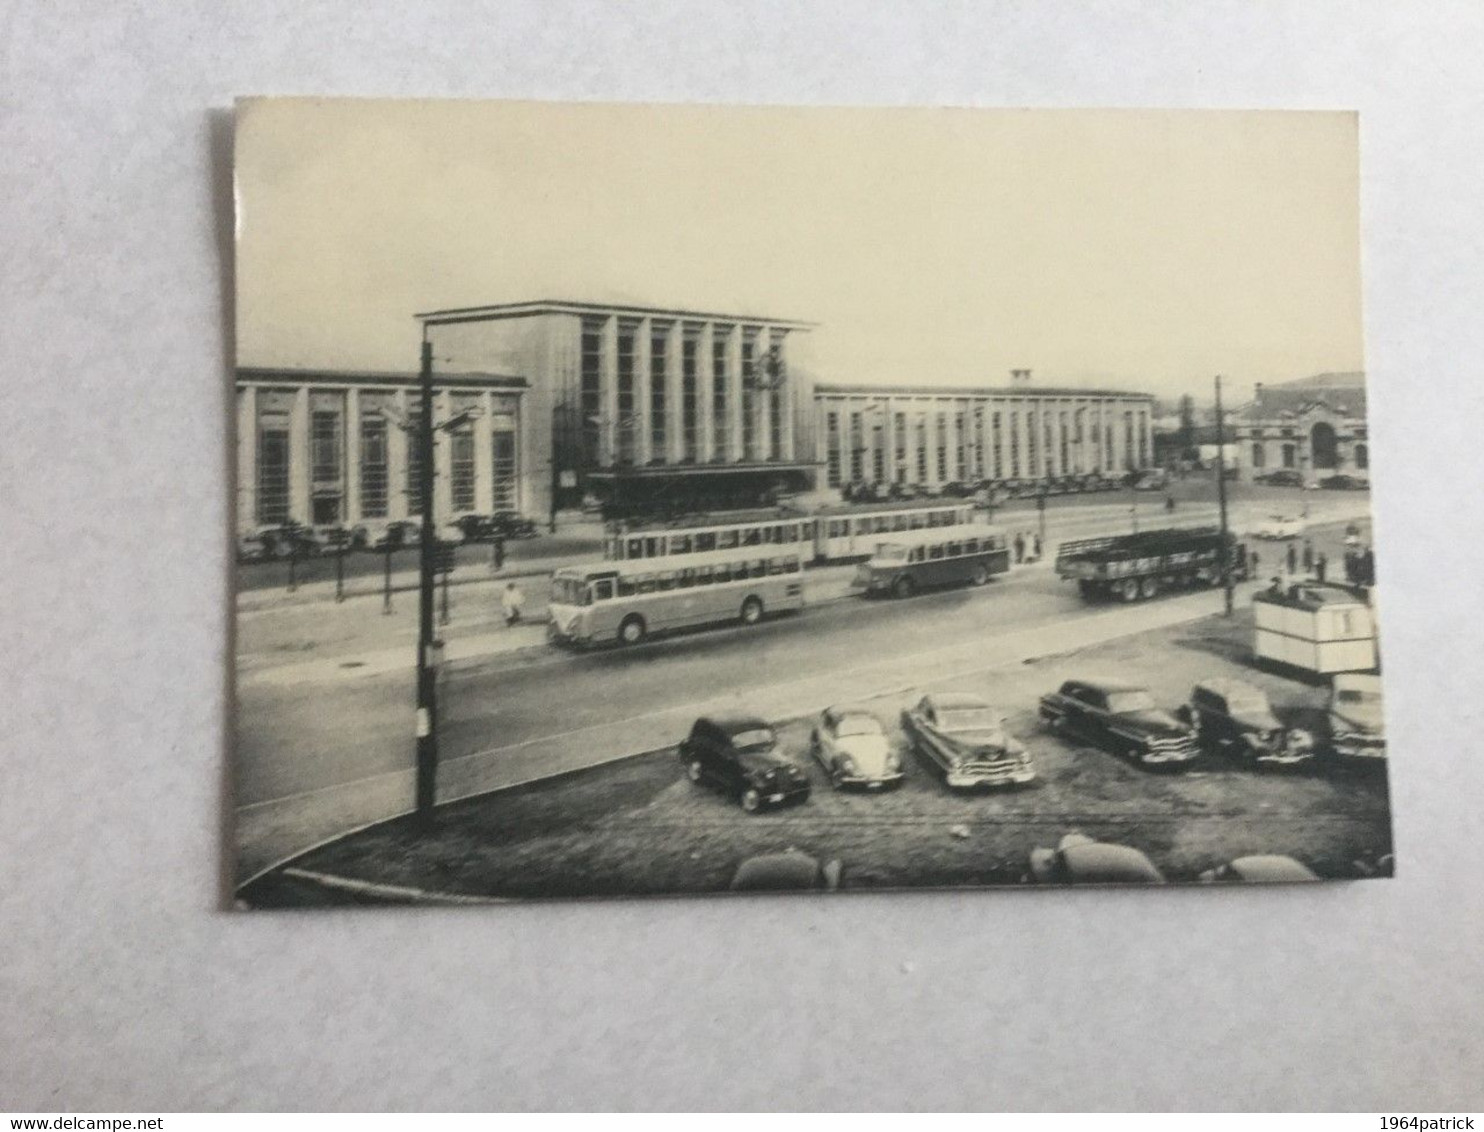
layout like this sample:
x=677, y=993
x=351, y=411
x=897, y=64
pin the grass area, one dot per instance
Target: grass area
x=639, y=827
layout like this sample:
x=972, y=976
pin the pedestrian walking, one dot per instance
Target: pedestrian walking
x=1292, y=559
x=511, y=601
x=1035, y=548
x=498, y=554
x=1169, y=503
x=1321, y=565
x=1019, y=547
x=1254, y=564
x=1308, y=557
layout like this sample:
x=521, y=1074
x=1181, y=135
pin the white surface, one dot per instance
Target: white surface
x=121, y=985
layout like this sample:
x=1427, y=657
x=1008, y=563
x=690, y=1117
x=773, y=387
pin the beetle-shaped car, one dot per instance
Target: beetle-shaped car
x=851, y=745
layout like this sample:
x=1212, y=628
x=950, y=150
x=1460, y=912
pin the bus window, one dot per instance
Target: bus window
x=916, y=554
x=918, y=522
x=636, y=548
x=644, y=583
x=705, y=542
x=971, y=546
x=626, y=587
x=881, y=524
x=726, y=540
x=680, y=544
x=775, y=566
x=955, y=549
x=601, y=590
x=665, y=580
x=724, y=572
x=935, y=552
x=703, y=575
x=899, y=522
x=793, y=532
x=685, y=579
x=652, y=548
x=757, y=568
x=752, y=536
x=839, y=528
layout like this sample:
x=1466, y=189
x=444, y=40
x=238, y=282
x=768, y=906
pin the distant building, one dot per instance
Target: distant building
x=932, y=435
x=1315, y=425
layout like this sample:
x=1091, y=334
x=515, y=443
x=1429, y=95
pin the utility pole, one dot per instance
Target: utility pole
x=427, y=667
x=1225, y=551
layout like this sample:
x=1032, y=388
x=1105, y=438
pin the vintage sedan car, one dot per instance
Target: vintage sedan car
x=1282, y=477
x=1078, y=859
x=851, y=745
x=1280, y=528
x=1357, y=725
x=739, y=755
x=1263, y=868
x=1234, y=717
x=965, y=740
x=1122, y=718
x=1345, y=482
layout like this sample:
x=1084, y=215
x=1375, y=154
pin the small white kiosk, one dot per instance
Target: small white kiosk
x=1320, y=628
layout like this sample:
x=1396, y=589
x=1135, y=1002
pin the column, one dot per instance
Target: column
x=705, y=397
x=763, y=399
x=442, y=462
x=247, y=457
x=642, y=424
x=484, y=456
x=608, y=370
x=352, y=456
x=675, y=393
x=299, y=455
x=889, y=438
x=735, y=452
x=787, y=392
x=396, y=455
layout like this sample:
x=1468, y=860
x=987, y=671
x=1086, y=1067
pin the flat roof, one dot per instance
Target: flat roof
x=374, y=376
x=971, y=391
x=926, y=536
x=494, y=311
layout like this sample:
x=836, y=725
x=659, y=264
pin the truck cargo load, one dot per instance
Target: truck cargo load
x=1135, y=566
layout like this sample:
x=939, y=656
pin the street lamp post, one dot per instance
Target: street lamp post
x=1225, y=551
x=427, y=670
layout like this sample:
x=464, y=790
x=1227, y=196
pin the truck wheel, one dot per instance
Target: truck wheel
x=631, y=632
x=1128, y=590
x=903, y=587
x=1149, y=587
x=980, y=576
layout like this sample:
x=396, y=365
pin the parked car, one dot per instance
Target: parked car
x=965, y=740
x=1344, y=482
x=1235, y=717
x=1280, y=477
x=1357, y=725
x=739, y=755
x=1280, y=527
x=790, y=871
x=956, y=489
x=1078, y=859
x=253, y=548
x=1264, y=868
x=1122, y=718
x=1155, y=479
x=851, y=745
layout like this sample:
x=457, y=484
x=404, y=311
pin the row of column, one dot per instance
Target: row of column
x=497, y=410
x=1023, y=446
x=719, y=433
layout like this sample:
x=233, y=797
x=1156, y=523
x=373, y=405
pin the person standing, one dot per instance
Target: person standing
x=1035, y=548
x=511, y=601
x=1308, y=557
x=1321, y=566
x=498, y=555
x=1019, y=548
x=1254, y=564
x=1292, y=559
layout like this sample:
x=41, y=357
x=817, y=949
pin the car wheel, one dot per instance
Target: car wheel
x=631, y=632
x=752, y=801
x=903, y=587
x=752, y=611
x=980, y=576
x=693, y=770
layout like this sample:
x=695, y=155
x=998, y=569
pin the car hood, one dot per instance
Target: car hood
x=760, y=761
x=1150, y=721
x=868, y=752
x=988, y=740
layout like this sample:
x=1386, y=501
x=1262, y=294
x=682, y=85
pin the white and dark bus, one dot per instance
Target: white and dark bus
x=629, y=601
x=906, y=563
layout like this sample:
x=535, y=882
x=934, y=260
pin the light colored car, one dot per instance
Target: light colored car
x=1280, y=527
x=1262, y=868
x=851, y=745
x=1357, y=725
x=1078, y=859
x=965, y=740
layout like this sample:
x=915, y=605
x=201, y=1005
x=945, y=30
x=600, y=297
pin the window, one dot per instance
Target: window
x=1015, y=469
x=749, y=394
x=665, y=580
x=274, y=459
x=719, y=407
x=1129, y=450
x=899, y=439
x=857, y=448
x=1066, y=463
x=999, y=446
x=1288, y=456
x=627, y=409
x=461, y=455
x=976, y=446
x=832, y=448
x=777, y=400
x=502, y=465
x=1362, y=457
x=690, y=376
x=922, y=448
x=942, y=447
x=1032, y=446
x=878, y=452
x=326, y=456
x=592, y=389
x=375, y=461
x=659, y=342
x=1259, y=456
x=414, y=459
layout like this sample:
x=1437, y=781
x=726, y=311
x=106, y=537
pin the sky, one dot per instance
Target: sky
x=1148, y=250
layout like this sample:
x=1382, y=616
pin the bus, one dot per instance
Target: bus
x=629, y=601
x=827, y=534
x=906, y=563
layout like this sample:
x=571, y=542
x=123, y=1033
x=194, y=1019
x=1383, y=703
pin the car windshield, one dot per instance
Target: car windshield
x=969, y=719
x=1120, y=702
x=858, y=725
x=750, y=740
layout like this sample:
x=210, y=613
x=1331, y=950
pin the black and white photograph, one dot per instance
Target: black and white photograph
x=644, y=500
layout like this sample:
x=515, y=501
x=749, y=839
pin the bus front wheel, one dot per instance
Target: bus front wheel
x=903, y=587
x=752, y=611
x=980, y=576
x=631, y=632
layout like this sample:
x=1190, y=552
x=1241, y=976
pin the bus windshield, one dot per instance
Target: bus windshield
x=568, y=591
x=891, y=552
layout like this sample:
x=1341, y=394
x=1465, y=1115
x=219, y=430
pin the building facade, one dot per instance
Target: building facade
x=1315, y=426
x=932, y=435
x=336, y=449
x=644, y=402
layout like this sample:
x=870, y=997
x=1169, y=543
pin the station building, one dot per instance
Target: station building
x=1315, y=426
x=932, y=435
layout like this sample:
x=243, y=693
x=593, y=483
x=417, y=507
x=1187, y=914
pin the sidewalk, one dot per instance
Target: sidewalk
x=271, y=832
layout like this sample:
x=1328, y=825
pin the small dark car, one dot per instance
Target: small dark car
x=1122, y=718
x=1078, y=859
x=1281, y=477
x=1343, y=482
x=1234, y=717
x=739, y=755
